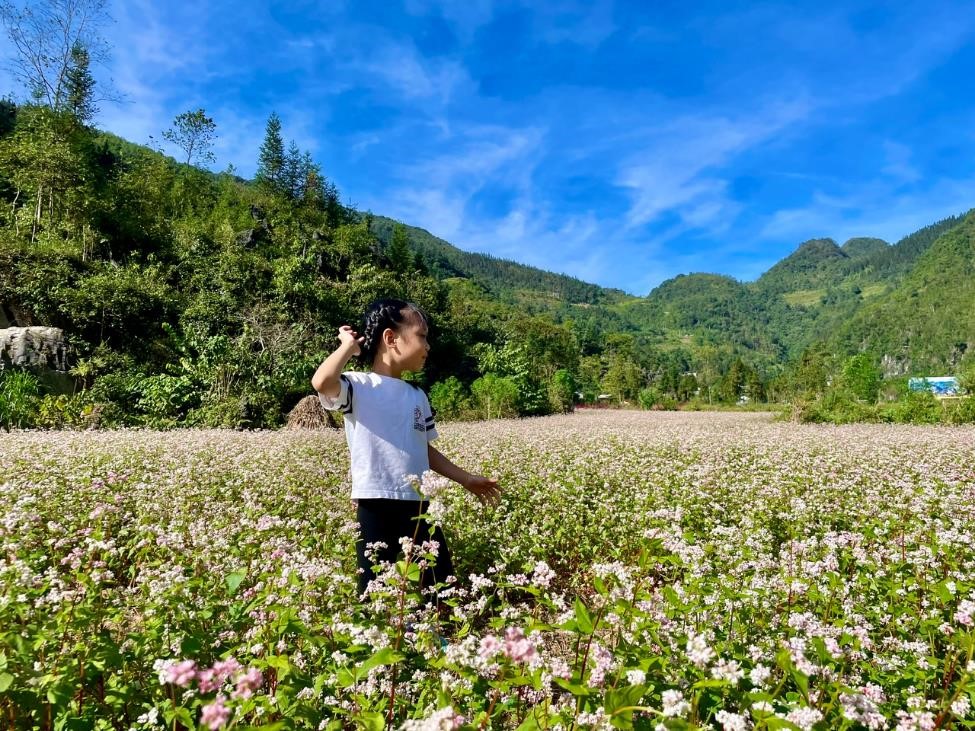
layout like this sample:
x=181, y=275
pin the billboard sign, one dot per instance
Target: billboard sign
x=940, y=386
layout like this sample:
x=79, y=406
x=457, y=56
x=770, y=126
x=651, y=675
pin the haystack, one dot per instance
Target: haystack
x=310, y=414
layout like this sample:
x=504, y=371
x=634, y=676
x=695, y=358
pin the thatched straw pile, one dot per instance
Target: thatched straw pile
x=310, y=414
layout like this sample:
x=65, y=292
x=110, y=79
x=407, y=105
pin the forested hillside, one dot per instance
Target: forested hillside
x=188, y=297
x=926, y=324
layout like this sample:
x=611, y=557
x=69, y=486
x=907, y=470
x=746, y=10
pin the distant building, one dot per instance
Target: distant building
x=939, y=386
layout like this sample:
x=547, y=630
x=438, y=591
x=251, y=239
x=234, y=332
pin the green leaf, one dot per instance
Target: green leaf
x=624, y=698
x=6, y=679
x=583, y=618
x=279, y=663
x=234, y=580
x=774, y=722
x=576, y=689
x=385, y=656
x=410, y=571
x=711, y=683
x=945, y=595
x=190, y=647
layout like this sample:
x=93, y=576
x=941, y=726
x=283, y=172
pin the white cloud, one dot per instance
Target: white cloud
x=678, y=168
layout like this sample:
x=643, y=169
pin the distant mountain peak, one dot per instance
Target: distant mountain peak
x=864, y=246
x=817, y=249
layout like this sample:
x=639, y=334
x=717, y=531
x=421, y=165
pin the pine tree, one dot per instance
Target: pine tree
x=271, y=161
x=399, y=254
x=80, y=86
x=293, y=173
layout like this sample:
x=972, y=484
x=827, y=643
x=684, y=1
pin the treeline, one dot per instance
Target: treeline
x=201, y=299
x=193, y=298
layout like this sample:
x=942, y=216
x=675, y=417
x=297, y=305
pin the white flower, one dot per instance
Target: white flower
x=804, y=718
x=731, y=721
x=759, y=675
x=674, y=703
x=635, y=677
x=727, y=670
x=698, y=651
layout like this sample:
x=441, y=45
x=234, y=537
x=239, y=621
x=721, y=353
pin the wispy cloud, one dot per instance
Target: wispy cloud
x=679, y=169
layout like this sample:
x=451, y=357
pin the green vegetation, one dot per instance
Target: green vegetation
x=188, y=297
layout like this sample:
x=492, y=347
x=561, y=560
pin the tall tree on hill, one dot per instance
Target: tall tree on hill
x=293, y=172
x=47, y=36
x=81, y=86
x=271, y=159
x=398, y=253
x=193, y=133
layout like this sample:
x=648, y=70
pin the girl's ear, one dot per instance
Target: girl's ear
x=389, y=337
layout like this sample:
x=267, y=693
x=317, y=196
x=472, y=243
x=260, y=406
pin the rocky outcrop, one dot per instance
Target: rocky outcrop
x=33, y=347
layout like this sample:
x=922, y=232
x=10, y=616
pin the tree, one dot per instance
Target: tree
x=623, y=378
x=398, y=251
x=47, y=36
x=495, y=394
x=193, y=133
x=271, y=160
x=562, y=391
x=81, y=86
x=448, y=398
x=862, y=377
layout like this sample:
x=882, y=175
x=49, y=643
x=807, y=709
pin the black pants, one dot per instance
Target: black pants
x=387, y=520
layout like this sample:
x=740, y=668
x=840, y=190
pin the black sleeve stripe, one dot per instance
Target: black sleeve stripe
x=346, y=408
x=429, y=419
x=431, y=426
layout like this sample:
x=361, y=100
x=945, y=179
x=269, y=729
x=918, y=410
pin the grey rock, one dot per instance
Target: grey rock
x=37, y=347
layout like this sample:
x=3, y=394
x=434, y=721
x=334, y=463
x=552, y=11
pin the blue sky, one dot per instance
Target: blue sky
x=619, y=142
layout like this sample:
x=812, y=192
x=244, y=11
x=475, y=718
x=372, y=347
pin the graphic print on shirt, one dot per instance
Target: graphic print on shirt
x=418, y=424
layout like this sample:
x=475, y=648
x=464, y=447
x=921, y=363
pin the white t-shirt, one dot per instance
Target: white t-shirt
x=388, y=423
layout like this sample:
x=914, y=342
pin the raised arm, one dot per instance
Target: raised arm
x=484, y=488
x=326, y=378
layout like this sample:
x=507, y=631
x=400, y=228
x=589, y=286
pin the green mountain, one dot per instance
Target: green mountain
x=926, y=323
x=819, y=290
x=189, y=297
x=508, y=280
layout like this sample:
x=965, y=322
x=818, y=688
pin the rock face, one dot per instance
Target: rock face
x=38, y=347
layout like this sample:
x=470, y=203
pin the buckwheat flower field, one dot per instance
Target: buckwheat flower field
x=644, y=570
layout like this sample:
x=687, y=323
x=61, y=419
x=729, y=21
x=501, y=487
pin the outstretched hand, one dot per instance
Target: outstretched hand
x=484, y=488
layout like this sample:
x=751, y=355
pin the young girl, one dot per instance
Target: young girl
x=389, y=426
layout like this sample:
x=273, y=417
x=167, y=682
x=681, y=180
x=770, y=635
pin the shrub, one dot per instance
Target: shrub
x=19, y=398
x=862, y=377
x=448, y=398
x=917, y=407
x=962, y=411
x=495, y=395
x=649, y=397
x=66, y=412
x=843, y=406
x=562, y=391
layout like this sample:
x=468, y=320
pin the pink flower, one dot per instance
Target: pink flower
x=964, y=614
x=490, y=646
x=518, y=647
x=247, y=683
x=207, y=682
x=215, y=714
x=223, y=669
x=181, y=673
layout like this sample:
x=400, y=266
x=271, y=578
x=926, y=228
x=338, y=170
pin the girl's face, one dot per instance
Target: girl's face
x=410, y=345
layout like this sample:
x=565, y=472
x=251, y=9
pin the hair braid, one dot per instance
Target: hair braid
x=382, y=314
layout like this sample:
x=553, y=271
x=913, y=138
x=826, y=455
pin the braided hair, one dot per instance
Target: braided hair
x=382, y=314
